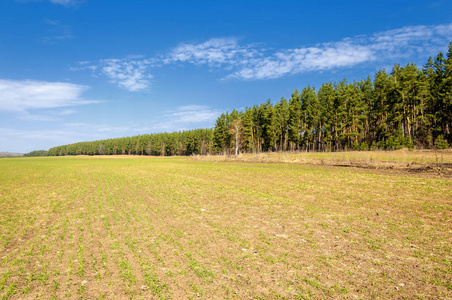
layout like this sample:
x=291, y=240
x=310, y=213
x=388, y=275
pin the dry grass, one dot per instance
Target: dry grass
x=150, y=228
x=437, y=162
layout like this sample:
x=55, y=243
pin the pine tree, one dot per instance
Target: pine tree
x=220, y=134
x=294, y=124
x=380, y=107
x=310, y=110
x=248, y=130
x=282, y=118
x=447, y=87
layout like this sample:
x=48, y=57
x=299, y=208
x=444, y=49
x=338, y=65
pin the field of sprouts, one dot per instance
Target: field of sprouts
x=174, y=228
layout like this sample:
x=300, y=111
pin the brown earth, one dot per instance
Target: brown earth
x=150, y=228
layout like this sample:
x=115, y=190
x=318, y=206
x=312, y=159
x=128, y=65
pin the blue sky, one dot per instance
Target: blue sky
x=80, y=70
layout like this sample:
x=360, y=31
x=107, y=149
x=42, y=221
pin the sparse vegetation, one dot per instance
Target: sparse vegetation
x=135, y=227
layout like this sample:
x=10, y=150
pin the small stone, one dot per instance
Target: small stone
x=84, y=282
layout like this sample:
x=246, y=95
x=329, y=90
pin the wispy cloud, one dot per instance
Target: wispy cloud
x=214, y=52
x=130, y=73
x=295, y=61
x=410, y=41
x=413, y=42
x=133, y=73
x=23, y=95
x=193, y=114
x=252, y=61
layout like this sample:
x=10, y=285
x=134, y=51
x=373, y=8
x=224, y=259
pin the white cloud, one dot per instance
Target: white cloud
x=412, y=41
x=294, y=61
x=20, y=96
x=130, y=73
x=214, y=52
x=250, y=61
x=193, y=114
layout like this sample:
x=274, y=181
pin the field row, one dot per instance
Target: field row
x=144, y=228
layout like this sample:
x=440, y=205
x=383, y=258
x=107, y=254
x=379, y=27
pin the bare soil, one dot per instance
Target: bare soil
x=174, y=228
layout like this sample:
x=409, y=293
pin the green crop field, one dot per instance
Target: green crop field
x=174, y=228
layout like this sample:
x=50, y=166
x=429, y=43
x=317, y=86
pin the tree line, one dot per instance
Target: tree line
x=408, y=107
x=36, y=153
x=198, y=141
